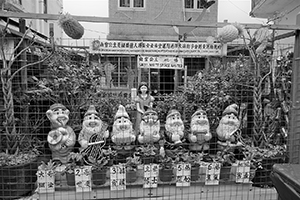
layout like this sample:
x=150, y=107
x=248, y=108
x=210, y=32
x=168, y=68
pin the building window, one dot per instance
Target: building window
x=132, y=3
x=45, y=7
x=193, y=4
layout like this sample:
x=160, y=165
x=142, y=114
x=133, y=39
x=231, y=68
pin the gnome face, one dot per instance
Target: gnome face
x=200, y=124
x=150, y=118
x=92, y=123
x=122, y=124
x=227, y=126
x=174, y=124
x=58, y=117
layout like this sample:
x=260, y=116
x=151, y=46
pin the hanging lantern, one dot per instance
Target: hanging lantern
x=71, y=26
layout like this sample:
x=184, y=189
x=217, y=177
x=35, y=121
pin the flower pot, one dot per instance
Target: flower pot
x=70, y=179
x=131, y=176
x=99, y=176
x=225, y=173
x=166, y=175
x=17, y=181
x=195, y=173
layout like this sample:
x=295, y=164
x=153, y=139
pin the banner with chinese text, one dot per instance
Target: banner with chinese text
x=184, y=49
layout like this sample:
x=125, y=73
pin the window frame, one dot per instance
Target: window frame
x=194, y=6
x=131, y=6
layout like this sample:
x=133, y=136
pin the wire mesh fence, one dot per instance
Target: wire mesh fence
x=212, y=132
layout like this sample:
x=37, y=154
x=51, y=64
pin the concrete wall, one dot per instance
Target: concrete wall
x=160, y=10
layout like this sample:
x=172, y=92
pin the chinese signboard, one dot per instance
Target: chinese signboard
x=183, y=174
x=118, y=177
x=161, y=62
x=150, y=175
x=184, y=49
x=83, y=178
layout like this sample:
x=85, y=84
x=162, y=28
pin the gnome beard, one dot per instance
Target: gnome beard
x=175, y=128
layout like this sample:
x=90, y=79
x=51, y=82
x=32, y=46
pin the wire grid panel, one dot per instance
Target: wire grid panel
x=72, y=80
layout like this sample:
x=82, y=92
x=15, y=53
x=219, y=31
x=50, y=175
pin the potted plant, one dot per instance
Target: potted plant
x=74, y=160
x=100, y=165
x=131, y=168
x=148, y=154
x=226, y=158
x=166, y=167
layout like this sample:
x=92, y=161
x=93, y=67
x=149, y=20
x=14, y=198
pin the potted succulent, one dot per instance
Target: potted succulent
x=131, y=168
x=74, y=160
x=166, y=167
x=226, y=158
x=100, y=165
x=148, y=153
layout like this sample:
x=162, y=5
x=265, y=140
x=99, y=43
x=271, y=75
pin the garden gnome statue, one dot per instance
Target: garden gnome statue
x=94, y=131
x=61, y=138
x=122, y=133
x=149, y=128
x=200, y=131
x=174, y=127
x=228, y=126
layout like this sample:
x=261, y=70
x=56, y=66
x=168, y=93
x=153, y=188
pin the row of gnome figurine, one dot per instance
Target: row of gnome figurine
x=94, y=132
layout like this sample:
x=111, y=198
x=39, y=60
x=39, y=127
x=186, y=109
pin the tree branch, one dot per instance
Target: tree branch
x=30, y=64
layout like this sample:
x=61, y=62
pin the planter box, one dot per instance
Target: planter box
x=17, y=181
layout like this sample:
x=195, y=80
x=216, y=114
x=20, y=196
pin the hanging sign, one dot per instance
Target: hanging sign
x=243, y=172
x=83, y=178
x=156, y=48
x=151, y=175
x=183, y=174
x=45, y=181
x=213, y=174
x=160, y=62
x=118, y=177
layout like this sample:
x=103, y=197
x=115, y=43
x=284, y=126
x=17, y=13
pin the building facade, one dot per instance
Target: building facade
x=163, y=56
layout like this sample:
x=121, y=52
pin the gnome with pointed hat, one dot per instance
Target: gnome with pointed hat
x=94, y=130
x=61, y=138
x=228, y=127
x=200, y=131
x=149, y=128
x=174, y=127
x=122, y=133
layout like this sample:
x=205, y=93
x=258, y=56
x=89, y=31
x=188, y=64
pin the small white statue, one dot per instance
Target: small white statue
x=174, y=127
x=122, y=133
x=149, y=128
x=200, y=131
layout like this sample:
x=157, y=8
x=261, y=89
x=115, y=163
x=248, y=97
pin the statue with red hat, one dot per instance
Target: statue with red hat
x=61, y=138
x=228, y=127
x=93, y=134
x=199, y=131
x=122, y=134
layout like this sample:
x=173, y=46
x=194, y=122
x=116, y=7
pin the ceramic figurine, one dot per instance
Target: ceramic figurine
x=174, y=127
x=143, y=101
x=149, y=128
x=61, y=138
x=200, y=131
x=122, y=133
x=228, y=126
x=94, y=131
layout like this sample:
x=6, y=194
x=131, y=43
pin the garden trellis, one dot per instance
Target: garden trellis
x=69, y=79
